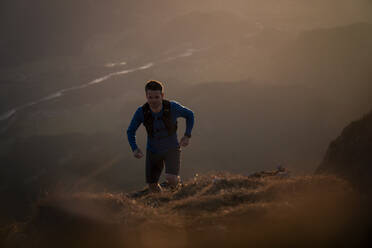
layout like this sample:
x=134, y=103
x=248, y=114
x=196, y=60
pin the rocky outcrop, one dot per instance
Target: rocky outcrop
x=349, y=156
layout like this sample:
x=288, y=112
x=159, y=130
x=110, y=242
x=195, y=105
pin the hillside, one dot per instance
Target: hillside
x=349, y=155
x=215, y=209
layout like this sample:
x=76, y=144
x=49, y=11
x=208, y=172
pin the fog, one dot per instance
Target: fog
x=270, y=82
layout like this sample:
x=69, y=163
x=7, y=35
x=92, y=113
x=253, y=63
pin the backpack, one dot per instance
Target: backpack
x=166, y=117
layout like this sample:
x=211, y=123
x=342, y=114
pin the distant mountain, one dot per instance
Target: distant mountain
x=206, y=27
x=44, y=28
x=37, y=29
x=334, y=55
x=32, y=30
x=196, y=29
x=349, y=155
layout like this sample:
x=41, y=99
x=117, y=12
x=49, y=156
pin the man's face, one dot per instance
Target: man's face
x=154, y=98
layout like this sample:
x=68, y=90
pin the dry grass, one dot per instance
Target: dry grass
x=216, y=209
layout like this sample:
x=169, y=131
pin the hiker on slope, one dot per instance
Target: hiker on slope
x=159, y=116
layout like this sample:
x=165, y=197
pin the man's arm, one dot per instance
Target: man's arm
x=188, y=114
x=134, y=124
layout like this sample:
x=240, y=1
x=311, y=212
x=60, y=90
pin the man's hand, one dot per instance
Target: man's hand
x=138, y=153
x=184, y=141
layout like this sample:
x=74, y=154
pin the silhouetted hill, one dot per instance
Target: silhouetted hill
x=349, y=155
x=215, y=209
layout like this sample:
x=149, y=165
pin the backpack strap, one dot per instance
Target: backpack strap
x=166, y=117
x=148, y=119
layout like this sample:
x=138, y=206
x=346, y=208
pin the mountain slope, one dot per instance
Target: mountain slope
x=218, y=209
x=349, y=155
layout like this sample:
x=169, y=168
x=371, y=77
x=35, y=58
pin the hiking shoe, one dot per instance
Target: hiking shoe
x=166, y=185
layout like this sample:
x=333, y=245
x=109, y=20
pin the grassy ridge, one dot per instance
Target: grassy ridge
x=218, y=209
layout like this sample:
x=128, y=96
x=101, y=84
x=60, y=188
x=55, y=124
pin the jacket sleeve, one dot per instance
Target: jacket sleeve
x=188, y=114
x=133, y=126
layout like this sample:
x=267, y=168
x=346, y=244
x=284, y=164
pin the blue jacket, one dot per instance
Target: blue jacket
x=161, y=142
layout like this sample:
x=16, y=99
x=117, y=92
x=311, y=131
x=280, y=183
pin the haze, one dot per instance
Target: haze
x=270, y=82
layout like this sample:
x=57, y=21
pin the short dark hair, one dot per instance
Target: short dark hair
x=154, y=85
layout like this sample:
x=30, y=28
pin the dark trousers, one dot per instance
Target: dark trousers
x=155, y=164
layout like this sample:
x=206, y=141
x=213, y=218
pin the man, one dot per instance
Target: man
x=159, y=116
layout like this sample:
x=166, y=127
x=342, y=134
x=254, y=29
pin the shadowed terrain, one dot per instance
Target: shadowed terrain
x=218, y=209
x=349, y=155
